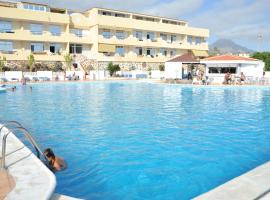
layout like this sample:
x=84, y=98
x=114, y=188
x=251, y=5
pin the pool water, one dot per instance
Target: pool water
x=132, y=140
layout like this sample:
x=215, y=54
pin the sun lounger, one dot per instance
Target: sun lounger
x=35, y=79
x=3, y=80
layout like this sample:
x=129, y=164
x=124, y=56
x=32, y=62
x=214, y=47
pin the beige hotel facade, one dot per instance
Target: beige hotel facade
x=96, y=35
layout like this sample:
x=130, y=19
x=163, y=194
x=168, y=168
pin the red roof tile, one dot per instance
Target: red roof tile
x=228, y=57
x=186, y=58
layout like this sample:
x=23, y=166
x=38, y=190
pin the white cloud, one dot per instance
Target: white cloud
x=237, y=20
x=240, y=20
x=175, y=8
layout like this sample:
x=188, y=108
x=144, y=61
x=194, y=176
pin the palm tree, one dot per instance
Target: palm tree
x=68, y=60
x=2, y=63
x=31, y=61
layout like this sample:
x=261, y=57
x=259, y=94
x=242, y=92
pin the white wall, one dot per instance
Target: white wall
x=253, y=70
x=13, y=74
x=47, y=74
x=157, y=74
x=267, y=75
x=134, y=74
x=98, y=75
x=173, y=70
x=77, y=73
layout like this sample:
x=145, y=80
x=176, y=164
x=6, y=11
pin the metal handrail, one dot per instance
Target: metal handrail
x=27, y=136
x=5, y=124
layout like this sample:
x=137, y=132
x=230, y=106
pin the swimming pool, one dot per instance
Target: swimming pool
x=132, y=140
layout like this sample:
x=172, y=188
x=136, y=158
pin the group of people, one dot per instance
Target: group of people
x=229, y=78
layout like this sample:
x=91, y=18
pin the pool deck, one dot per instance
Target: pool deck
x=253, y=185
x=33, y=180
x=29, y=173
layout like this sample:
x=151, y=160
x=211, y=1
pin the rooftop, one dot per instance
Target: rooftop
x=186, y=58
x=136, y=13
x=228, y=58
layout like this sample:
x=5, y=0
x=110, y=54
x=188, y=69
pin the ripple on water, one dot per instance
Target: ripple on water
x=145, y=141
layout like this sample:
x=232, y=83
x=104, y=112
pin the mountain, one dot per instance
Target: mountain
x=225, y=46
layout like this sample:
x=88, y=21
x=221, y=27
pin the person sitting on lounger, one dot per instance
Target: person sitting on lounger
x=56, y=163
x=227, y=78
x=242, y=78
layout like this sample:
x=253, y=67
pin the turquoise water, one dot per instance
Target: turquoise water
x=130, y=140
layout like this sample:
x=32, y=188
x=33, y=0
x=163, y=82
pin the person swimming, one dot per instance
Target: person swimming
x=57, y=163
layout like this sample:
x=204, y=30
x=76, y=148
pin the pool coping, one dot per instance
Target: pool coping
x=254, y=184
x=33, y=179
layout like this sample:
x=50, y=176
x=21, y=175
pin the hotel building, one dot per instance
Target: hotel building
x=94, y=37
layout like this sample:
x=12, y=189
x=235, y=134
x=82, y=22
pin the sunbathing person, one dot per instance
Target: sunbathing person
x=227, y=78
x=242, y=77
x=56, y=163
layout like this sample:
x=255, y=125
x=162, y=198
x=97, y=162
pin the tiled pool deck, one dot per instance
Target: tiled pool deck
x=253, y=185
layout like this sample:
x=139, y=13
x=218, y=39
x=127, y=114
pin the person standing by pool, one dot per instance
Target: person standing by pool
x=23, y=81
x=57, y=163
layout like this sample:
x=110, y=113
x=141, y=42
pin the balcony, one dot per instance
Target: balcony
x=132, y=58
x=133, y=24
x=39, y=56
x=28, y=15
x=27, y=35
x=81, y=39
x=159, y=43
x=45, y=36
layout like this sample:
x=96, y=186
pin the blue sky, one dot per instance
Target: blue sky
x=239, y=20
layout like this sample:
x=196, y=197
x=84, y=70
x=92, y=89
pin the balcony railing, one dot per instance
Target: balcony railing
x=36, y=32
x=6, y=31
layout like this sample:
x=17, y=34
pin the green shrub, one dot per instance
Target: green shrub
x=265, y=57
x=113, y=68
x=31, y=62
x=161, y=68
x=2, y=63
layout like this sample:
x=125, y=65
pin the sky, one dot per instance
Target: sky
x=239, y=20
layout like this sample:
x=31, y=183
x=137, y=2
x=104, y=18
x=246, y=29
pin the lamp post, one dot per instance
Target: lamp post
x=259, y=39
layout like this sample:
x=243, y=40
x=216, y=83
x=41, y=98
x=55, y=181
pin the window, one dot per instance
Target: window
x=75, y=48
x=163, y=36
x=120, y=35
x=139, y=51
x=55, y=30
x=37, y=47
x=197, y=40
x=173, y=38
x=55, y=48
x=120, y=15
x=138, y=35
x=77, y=32
x=173, y=52
x=106, y=13
x=222, y=70
x=36, y=29
x=6, y=46
x=35, y=7
x=163, y=51
x=120, y=50
x=106, y=34
x=190, y=39
x=150, y=35
x=150, y=52
x=5, y=26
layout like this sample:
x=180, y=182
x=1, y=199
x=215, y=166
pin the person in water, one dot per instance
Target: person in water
x=57, y=163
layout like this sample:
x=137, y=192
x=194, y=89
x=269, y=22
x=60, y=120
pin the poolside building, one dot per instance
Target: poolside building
x=94, y=37
x=217, y=66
